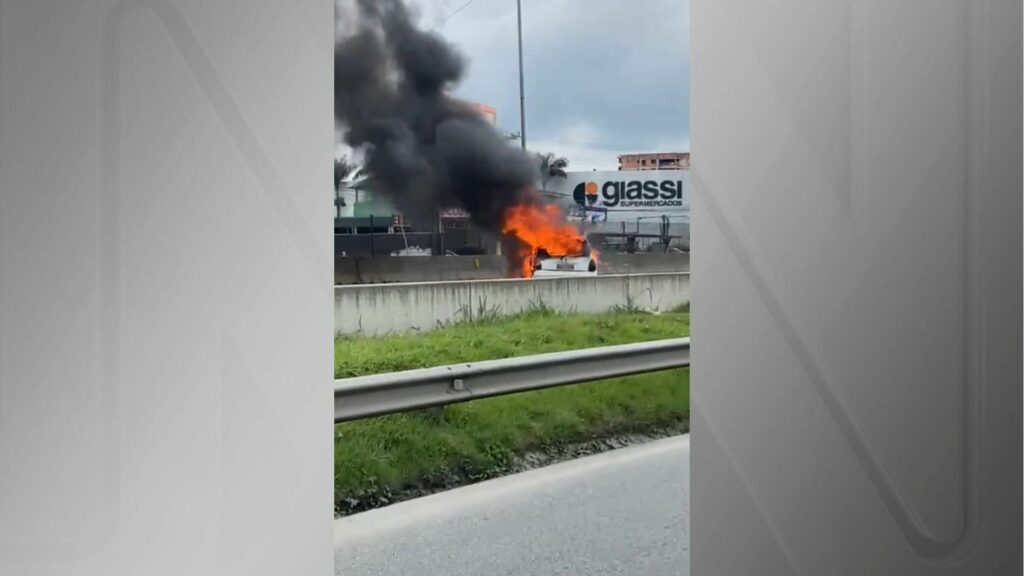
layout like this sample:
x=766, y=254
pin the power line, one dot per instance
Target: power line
x=450, y=16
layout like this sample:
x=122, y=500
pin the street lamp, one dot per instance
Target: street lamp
x=522, y=95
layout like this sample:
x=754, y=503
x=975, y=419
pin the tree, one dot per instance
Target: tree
x=345, y=171
x=551, y=166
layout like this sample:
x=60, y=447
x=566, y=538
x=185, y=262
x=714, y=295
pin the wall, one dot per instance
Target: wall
x=382, y=245
x=387, y=270
x=391, y=269
x=382, y=308
x=618, y=263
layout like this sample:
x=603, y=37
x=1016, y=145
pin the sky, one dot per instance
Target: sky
x=603, y=77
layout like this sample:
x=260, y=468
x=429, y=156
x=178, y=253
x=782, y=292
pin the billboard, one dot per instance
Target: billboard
x=622, y=195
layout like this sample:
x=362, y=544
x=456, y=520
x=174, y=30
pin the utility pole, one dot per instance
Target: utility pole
x=522, y=94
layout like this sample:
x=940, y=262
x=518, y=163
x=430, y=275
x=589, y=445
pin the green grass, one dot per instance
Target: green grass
x=383, y=456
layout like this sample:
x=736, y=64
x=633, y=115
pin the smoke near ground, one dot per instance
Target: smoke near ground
x=422, y=148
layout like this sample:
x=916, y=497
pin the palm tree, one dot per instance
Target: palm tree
x=551, y=166
x=347, y=174
x=345, y=171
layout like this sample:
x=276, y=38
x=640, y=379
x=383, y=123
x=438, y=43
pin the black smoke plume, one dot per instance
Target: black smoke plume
x=423, y=149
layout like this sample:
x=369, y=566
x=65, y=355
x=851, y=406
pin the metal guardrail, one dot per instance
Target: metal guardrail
x=379, y=394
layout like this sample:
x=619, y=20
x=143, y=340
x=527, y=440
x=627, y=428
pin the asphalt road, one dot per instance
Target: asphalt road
x=621, y=512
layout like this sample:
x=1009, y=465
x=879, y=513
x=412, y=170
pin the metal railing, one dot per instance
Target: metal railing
x=380, y=394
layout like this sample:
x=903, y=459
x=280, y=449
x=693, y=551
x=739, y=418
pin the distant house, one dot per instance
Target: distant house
x=369, y=203
x=655, y=161
x=360, y=201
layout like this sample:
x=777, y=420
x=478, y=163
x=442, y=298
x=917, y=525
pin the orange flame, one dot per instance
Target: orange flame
x=541, y=227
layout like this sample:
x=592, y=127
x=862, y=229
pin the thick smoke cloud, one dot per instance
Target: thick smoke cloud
x=423, y=149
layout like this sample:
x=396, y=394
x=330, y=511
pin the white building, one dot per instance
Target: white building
x=650, y=202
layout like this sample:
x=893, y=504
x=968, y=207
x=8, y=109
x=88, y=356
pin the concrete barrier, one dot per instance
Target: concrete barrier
x=389, y=269
x=375, y=309
x=646, y=263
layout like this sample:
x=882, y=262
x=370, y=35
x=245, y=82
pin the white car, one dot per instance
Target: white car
x=552, y=267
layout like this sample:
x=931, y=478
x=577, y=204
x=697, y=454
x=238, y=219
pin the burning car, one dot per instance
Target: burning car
x=547, y=266
x=547, y=245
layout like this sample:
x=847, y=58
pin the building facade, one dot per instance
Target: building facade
x=367, y=224
x=655, y=161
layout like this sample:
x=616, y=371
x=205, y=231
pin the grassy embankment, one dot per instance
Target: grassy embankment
x=385, y=459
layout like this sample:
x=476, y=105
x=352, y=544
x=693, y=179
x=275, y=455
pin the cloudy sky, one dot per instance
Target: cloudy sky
x=603, y=77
